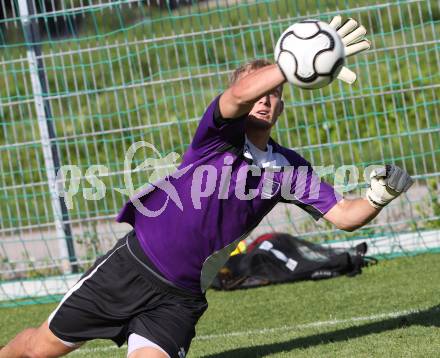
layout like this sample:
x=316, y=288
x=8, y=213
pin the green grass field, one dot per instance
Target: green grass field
x=391, y=310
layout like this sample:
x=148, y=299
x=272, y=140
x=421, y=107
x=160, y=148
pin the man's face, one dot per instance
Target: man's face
x=266, y=110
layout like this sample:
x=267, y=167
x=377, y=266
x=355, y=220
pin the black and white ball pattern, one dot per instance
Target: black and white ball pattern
x=310, y=54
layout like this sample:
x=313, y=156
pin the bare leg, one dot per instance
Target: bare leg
x=35, y=343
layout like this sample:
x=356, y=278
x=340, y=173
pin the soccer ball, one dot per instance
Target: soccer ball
x=310, y=54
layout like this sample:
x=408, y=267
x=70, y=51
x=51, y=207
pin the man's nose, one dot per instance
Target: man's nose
x=265, y=100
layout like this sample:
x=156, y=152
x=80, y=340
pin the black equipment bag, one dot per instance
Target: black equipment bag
x=279, y=257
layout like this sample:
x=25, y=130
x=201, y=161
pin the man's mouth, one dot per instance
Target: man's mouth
x=263, y=113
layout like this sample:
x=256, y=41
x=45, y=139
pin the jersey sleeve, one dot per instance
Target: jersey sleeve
x=307, y=190
x=215, y=132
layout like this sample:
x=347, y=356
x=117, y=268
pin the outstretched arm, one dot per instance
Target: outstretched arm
x=351, y=214
x=387, y=183
x=241, y=96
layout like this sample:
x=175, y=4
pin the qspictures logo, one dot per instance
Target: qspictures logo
x=207, y=181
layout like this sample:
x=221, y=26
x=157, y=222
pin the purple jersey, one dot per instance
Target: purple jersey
x=223, y=188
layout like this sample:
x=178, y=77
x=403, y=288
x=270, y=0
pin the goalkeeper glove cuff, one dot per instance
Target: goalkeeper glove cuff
x=387, y=183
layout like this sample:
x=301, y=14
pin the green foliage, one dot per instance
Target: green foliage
x=136, y=72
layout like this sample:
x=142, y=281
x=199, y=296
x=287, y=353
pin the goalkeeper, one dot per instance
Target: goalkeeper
x=150, y=288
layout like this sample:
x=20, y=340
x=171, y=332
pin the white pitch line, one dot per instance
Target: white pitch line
x=297, y=327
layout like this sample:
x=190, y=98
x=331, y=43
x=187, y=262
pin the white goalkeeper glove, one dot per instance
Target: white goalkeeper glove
x=387, y=183
x=353, y=38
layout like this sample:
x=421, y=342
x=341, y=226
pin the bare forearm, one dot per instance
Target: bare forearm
x=351, y=214
x=241, y=96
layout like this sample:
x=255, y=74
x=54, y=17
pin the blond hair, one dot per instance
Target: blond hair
x=252, y=65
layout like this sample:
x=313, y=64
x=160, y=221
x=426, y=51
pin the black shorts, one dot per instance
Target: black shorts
x=122, y=294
